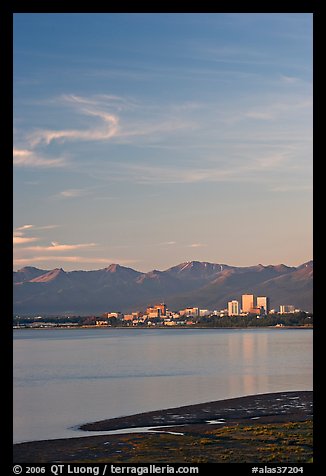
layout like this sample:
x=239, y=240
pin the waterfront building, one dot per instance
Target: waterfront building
x=153, y=314
x=233, y=308
x=204, y=312
x=169, y=322
x=189, y=312
x=102, y=322
x=255, y=310
x=117, y=315
x=287, y=309
x=157, y=310
x=263, y=304
x=248, y=302
x=128, y=317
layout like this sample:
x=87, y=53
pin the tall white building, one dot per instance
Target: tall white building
x=233, y=308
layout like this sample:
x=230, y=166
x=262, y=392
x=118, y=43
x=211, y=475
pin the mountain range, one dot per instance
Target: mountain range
x=193, y=283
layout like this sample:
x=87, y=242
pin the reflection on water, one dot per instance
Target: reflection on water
x=63, y=378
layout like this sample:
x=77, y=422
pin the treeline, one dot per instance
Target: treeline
x=296, y=319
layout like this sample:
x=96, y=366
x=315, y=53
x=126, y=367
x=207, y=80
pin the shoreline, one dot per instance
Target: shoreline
x=308, y=327
x=266, y=406
x=280, y=413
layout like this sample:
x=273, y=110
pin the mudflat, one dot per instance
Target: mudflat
x=273, y=427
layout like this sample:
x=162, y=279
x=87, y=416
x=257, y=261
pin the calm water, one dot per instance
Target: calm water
x=63, y=377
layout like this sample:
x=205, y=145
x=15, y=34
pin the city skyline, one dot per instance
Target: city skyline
x=151, y=139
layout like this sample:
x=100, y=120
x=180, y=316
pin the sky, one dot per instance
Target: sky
x=149, y=140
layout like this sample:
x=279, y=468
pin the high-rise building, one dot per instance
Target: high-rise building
x=263, y=304
x=247, y=302
x=157, y=310
x=162, y=308
x=233, y=308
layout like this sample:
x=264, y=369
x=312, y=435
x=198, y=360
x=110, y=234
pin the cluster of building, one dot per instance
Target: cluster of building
x=257, y=305
x=250, y=305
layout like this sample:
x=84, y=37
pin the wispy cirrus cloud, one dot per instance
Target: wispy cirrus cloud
x=265, y=116
x=22, y=240
x=56, y=246
x=29, y=158
x=242, y=165
x=28, y=253
x=289, y=79
x=35, y=227
x=107, y=130
x=93, y=193
x=53, y=252
x=110, y=121
x=73, y=193
x=71, y=259
x=174, y=174
x=24, y=227
x=19, y=233
x=269, y=109
x=197, y=245
x=46, y=227
x=108, y=101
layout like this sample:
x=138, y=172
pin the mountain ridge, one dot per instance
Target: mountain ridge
x=191, y=283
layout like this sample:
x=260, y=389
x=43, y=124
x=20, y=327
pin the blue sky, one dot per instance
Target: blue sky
x=152, y=139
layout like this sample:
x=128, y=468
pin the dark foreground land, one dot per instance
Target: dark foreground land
x=274, y=427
